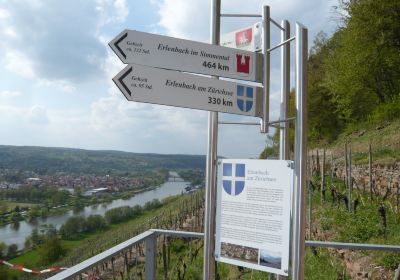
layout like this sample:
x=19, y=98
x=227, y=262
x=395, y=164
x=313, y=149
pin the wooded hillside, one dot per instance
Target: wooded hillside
x=354, y=76
x=44, y=160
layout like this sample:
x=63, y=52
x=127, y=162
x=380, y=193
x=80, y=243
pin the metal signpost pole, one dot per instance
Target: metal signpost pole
x=285, y=86
x=266, y=75
x=299, y=201
x=211, y=164
x=285, y=89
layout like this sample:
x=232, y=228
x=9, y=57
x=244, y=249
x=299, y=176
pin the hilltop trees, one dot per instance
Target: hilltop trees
x=362, y=67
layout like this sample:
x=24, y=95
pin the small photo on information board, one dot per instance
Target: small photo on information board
x=253, y=214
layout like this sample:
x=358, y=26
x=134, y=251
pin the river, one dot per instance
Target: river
x=10, y=234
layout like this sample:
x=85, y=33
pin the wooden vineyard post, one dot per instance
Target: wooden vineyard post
x=350, y=183
x=310, y=194
x=345, y=164
x=323, y=178
x=370, y=170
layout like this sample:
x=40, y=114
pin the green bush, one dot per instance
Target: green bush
x=51, y=250
x=387, y=111
x=178, y=246
x=119, y=214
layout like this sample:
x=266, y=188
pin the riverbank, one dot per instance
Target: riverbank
x=45, y=212
x=17, y=234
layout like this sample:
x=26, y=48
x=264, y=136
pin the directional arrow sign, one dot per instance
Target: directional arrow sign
x=152, y=85
x=189, y=56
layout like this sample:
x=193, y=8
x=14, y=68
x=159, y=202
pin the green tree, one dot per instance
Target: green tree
x=15, y=217
x=363, y=67
x=323, y=119
x=95, y=222
x=272, y=148
x=28, y=243
x=3, y=247
x=51, y=251
x=12, y=250
x=73, y=227
x=33, y=213
x=35, y=237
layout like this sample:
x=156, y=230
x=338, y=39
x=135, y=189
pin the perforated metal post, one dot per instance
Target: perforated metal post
x=299, y=199
x=285, y=90
x=266, y=75
x=211, y=164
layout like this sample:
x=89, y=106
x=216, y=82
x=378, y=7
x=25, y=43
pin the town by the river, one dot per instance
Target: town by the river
x=16, y=234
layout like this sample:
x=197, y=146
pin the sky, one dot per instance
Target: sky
x=56, y=69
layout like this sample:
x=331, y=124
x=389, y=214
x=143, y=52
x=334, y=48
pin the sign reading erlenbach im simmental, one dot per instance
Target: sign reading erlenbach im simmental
x=185, y=55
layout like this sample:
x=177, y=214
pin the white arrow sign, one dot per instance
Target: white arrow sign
x=177, y=54
x=152, y=85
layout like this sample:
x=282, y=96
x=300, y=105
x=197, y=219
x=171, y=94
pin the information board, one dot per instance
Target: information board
x=253, y=214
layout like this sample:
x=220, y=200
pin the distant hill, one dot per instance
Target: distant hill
x=44, y=160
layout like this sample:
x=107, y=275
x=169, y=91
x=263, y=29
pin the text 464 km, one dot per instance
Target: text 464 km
x=214, y=65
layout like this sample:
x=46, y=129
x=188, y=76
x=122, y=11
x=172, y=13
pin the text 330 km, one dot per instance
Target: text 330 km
x=219, y=101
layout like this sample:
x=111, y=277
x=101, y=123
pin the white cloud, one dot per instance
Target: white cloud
x=63, y=85
x=4, y=14
x=57, y=41
x=38, y=115
x=9, y=94
x=184, y=19
x=18, y=63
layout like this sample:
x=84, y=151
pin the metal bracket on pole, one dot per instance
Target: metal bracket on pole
x=285, y=89
x=287, y=41
x=209, y=266
x=266, y=75
x=240, y=123
x=299, y=199
x=241, y=15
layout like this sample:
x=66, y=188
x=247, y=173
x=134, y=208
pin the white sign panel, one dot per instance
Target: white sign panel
x=158, y=86
x=248, y=38
x=189, y=56
x=253, y=214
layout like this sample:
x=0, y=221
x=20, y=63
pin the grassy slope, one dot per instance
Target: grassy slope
x=366, y=226
x=385, y=143
x=10, y=205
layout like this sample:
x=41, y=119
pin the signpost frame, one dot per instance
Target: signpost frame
x=209, y=263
